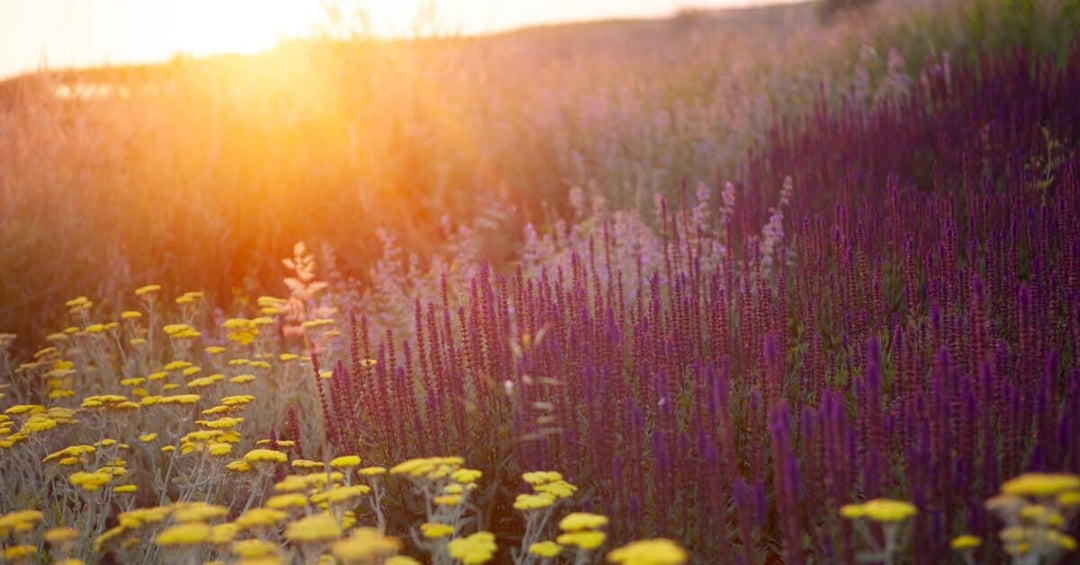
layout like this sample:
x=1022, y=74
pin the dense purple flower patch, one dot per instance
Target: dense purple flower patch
x=910, y=330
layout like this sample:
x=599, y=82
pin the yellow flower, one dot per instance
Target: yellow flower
x=365, y=545
x=340, y=494
x=288, y=357
x=852, y=511
x=265, y=456
x=177, y=365
x=78, y=303
x=558, y=489
x=237, y=400
x=180, y=331
x=578, y=521
x=218, y=449
x=292, y=483
x=585, y=539
x=221, y=423
x=1069, y=499
x=649, y=552
x=198, y=512
x=964, y=542
x=1042, y=515
x=532, y=502
x=473, y=550
x=17, y=518
x=250, y=548
x=25, y=409
x=305, y=464
x=143, y=516
x=345, y=462
x=214, y=350
x=125, y=488
x=285, y=501
x=61, y=535
x=545, y=549
x=1041, y=484
x=257, y=517
x=108, y=536
x=447, y=500
x=372, y=471
x=466, y=475
x=178, y=399
x=223, y=533
x=191, y=533
x=202, y=382
x=238, y=466
x=90, y=481
x=887, y=510
x=242, y=379
x=38, y=424
x=315, y=528
x=148, y=437
x=17, y=553
x=436, y=530
x=401, y=560
x=148, y=289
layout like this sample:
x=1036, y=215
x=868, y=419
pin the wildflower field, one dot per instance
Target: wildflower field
x=723, y=288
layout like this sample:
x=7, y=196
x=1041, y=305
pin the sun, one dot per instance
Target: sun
x=244, y=26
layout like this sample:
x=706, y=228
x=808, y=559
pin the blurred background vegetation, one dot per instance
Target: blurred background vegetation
x=201, y=174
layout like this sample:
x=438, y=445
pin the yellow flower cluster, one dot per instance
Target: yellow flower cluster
x=581, y=529
x=1036, y=509
x=475, y=549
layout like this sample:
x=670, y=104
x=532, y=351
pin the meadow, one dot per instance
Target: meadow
x=730, y=287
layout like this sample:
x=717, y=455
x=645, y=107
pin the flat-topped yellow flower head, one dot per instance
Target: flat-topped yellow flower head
x=658, y=551
x=313, y=529
x=473, y=550
x=888, y=510
x=1041, y=484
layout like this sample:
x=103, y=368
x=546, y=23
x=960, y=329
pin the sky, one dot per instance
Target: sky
x=38, y=34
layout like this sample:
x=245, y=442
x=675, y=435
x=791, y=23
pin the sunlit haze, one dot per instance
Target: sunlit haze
x=77, y=33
